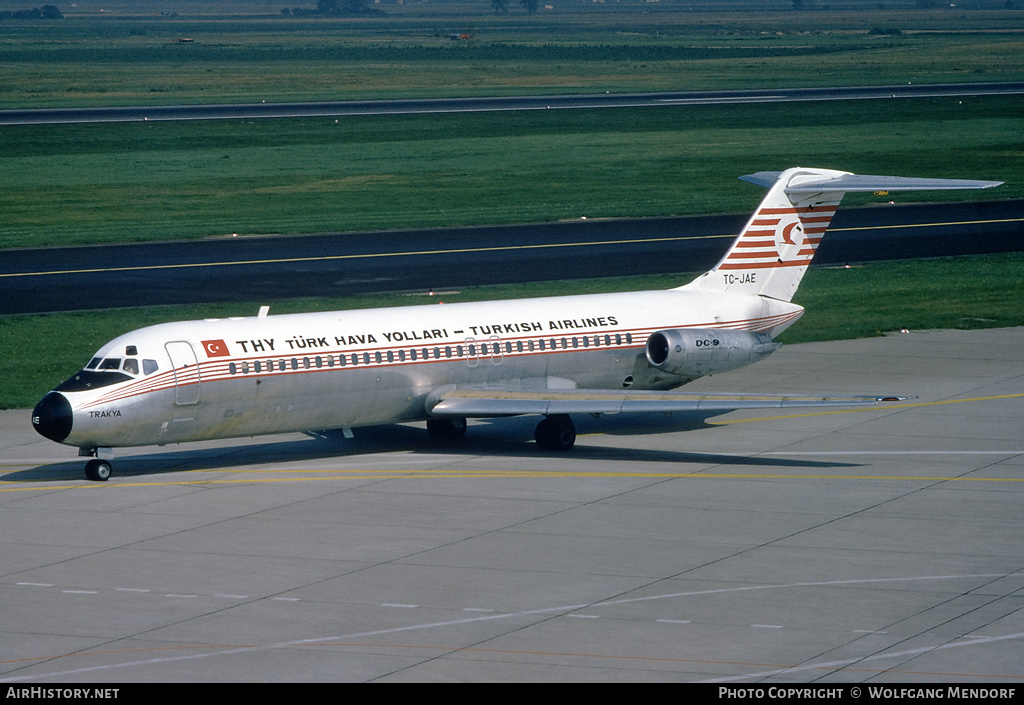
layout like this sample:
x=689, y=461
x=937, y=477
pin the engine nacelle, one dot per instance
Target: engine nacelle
x=696, y=352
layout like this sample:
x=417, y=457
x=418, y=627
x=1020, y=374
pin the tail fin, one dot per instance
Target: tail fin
x=776, y=246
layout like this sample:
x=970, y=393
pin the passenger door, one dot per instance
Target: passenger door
x=186, y=372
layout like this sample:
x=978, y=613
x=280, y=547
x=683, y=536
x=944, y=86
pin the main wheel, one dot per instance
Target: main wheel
x=446, y=429
x=98, y=470
x=555, y=433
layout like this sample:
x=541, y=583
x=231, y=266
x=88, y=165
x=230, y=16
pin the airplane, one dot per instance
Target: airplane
x=554, y=356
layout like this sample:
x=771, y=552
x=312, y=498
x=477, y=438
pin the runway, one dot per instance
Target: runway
x=879, y=546
x=264, y=110
x=262, y=269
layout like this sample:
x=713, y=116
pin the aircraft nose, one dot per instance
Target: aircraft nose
x=53, y=417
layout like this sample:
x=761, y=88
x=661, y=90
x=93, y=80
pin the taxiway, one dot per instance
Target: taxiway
x=879, y=545
x=34, y=280
x=264, y=110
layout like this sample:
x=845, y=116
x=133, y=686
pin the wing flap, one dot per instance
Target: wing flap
x=490, y=402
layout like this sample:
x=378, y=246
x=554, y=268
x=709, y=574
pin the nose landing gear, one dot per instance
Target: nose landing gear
x=99, y=468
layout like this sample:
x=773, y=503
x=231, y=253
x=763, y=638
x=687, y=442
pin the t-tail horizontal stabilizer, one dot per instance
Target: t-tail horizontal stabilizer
x=776, y=246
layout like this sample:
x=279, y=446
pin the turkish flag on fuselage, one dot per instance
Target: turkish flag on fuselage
x=216, y=348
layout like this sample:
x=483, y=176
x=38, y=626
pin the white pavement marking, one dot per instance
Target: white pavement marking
x=566, y=609
x=865, y=659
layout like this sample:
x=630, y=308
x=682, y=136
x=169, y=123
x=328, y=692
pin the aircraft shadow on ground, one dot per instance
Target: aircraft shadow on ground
x=510, y=437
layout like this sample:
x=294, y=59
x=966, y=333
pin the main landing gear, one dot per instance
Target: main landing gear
x=99, y=468
x=447, y=429
x=554, y=432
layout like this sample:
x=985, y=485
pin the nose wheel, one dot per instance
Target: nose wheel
x=98, y=470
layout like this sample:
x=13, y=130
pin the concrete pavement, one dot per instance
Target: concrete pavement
x=878, y=545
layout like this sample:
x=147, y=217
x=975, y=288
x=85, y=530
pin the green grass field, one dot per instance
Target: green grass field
x=132, y=53
x=145, y=181
x=160, y=181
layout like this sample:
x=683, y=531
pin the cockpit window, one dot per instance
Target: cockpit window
x=149, y=366
x=131, y=366
x=93, y=362
x=110, y=363
x=90, y=379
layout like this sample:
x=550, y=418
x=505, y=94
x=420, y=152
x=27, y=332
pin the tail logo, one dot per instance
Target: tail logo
x=789, y=239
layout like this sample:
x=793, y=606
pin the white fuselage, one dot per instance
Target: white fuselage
x=595, y=354
x=233, y=377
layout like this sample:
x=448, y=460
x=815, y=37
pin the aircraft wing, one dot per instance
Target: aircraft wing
x=496, y=402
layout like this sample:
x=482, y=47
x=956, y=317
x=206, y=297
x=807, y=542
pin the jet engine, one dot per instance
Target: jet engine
x=696, y=352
